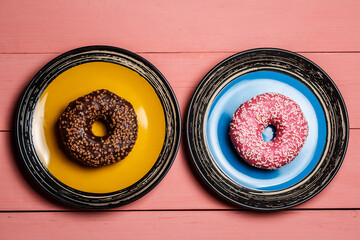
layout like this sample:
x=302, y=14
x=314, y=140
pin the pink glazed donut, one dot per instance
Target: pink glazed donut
x=253, y=116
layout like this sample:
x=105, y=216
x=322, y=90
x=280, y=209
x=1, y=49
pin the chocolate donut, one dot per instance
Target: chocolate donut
x=253, y=116
x=117, y=114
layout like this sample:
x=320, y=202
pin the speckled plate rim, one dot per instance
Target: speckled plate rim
x=38, y=171
x=306, y=72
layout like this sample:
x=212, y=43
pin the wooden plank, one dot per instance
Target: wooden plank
x=184, y=71
x=181, y=225
x=18, y=71
x=180, y=189
x=171, y=26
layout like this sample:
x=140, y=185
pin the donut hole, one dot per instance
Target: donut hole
x=269, y=133
x=99, y=128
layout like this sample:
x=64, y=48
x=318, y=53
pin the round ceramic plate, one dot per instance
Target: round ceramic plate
x=75, y=74
x=236, y=80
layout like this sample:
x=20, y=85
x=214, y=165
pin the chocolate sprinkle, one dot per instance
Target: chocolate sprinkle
x=119, y=117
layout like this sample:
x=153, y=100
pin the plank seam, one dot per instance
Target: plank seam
x=180, y=52
x=179, y=210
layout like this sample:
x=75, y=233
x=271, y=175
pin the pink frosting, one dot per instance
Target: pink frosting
x=253, y=116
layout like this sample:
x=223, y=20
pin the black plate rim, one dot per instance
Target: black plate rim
x=197, y=165
x=64, y=198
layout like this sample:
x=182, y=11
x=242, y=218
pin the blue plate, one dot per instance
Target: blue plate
x=239, y=91
x=240, y=78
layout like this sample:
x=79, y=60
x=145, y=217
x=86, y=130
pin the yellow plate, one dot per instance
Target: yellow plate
x=81, y=80
x=75, y=74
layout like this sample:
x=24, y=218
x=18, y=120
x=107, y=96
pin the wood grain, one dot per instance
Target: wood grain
x=171, y=26
x=184, y=72
x=182, y=225
x=184, y=40
x=180, y=189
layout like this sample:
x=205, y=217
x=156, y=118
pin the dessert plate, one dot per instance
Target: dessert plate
x=241, y=77
x=75, y=74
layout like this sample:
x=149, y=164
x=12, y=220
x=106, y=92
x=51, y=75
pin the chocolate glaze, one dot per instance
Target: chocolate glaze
x=117, y=114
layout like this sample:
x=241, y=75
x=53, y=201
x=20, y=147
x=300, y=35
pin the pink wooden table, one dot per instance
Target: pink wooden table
x=184, y=40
